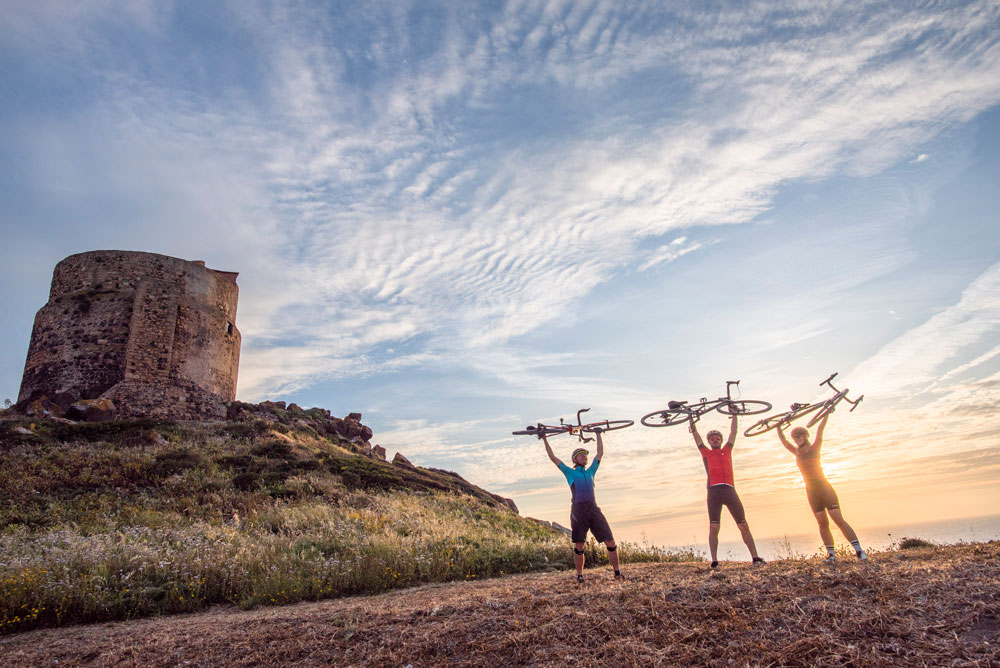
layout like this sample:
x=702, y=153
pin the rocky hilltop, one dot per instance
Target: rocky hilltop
x=348, y=433
x=107, y=519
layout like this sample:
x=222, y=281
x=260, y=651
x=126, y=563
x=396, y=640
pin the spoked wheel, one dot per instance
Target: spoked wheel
x=744, y=407
x=765, y=425
x=607, y=425
x=666, y=417
x=544, y=431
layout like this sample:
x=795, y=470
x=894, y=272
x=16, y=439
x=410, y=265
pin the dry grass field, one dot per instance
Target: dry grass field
x=934, y=606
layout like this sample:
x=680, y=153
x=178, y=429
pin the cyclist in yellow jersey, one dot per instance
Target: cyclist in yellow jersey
x=822, y=497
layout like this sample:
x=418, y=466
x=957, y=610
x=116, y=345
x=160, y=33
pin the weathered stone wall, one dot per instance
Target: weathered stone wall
x=155, y=334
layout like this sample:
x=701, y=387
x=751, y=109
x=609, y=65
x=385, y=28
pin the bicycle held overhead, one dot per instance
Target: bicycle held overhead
x=681, y=411
x=579, y=429
x=817, y=410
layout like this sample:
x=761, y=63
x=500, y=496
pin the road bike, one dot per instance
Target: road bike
x=817, y=411
x=579, y=429
x=681, y=411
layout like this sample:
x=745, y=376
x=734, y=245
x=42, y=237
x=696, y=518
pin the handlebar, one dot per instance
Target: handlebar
x=729, y=384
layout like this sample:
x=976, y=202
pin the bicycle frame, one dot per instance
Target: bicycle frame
x=818, y=410
x=704, y=405
x=831, y=404
x=543, y=430
x=681, y=411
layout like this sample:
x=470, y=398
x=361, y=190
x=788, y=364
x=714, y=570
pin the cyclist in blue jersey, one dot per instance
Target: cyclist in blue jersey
x=585, y=515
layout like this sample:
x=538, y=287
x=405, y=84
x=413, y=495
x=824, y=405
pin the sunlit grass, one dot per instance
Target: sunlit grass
x=126, y=526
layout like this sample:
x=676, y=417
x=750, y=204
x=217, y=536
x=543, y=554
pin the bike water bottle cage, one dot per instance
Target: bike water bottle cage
x=576, y=551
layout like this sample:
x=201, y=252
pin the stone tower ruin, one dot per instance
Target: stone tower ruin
x=155, y=334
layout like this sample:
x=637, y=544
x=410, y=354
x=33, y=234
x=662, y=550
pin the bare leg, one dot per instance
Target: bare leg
x=845, y=528
x=713, y=540
x=612, y=555
x=748, y=538
x=824, y=527
x=578, y=559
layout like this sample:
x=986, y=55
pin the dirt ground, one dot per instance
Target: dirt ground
x=924, y=607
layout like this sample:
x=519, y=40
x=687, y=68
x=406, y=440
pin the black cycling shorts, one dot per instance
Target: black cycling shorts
x=724, y=495
x=586, y=516
x=821, y=495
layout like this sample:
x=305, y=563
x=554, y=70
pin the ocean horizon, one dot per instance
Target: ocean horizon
x=944, y=532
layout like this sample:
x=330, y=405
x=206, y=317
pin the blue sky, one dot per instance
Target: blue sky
x=462, y=218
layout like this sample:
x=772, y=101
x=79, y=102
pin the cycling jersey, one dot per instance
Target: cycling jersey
x=581, y=480
x=809, y=464
x=718, y=465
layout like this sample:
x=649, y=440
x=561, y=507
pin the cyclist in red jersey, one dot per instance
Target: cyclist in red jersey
x=822, y=497
x=718, y=462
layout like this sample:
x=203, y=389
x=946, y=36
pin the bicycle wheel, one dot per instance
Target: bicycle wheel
x=744, y=407
x=607, y=425
x=765, y=425
x=666, y=417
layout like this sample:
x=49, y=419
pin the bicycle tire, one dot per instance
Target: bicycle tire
x=611, y=425
x=755, y=407
x=665, y=418
x=765, y=425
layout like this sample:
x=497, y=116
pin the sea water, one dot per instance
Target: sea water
x=945, y=532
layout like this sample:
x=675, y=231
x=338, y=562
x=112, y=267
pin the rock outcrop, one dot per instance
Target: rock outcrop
x=349, y=428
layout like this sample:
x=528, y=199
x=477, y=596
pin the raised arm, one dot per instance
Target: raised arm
x=548, y=449
x=785, y=442
x=600, y=446
x=818, y=441
x=694, y=432
x=733, y=428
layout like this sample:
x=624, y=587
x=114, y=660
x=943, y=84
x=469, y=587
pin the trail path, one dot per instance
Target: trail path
x=906, y=608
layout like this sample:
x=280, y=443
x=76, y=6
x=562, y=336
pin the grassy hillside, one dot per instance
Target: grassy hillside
x=107, y=521
x=921, y=607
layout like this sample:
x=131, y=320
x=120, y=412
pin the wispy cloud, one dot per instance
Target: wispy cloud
x=670, y=252
x=486, y=252
x=374, y=160
x=937, y=350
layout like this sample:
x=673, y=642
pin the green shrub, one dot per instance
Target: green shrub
x=276, y=449
x=173, y=462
